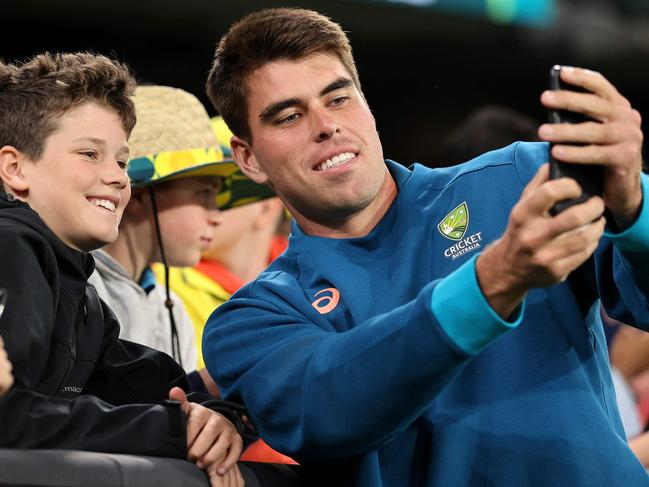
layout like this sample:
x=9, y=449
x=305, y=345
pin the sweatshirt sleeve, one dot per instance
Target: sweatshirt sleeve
x=625, y=289
x=30, y=419
x=314, y=392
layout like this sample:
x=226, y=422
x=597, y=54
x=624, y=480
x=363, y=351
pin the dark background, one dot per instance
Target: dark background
x=422, y=70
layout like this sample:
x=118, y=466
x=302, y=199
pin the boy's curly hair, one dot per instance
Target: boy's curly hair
x=36, y=92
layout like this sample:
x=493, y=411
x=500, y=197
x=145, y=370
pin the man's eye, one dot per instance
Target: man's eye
x=339, y=100
x=289, y=118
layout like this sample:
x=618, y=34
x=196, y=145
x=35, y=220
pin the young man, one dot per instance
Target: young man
x=425, y=327
x=64, y=124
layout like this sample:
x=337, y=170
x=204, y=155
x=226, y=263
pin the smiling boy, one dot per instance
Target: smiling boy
x=64, y=125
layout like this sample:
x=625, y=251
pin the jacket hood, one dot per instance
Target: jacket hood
x=20, y=212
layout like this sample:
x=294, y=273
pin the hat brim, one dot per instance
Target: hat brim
x=222, y=169
x=237, y=189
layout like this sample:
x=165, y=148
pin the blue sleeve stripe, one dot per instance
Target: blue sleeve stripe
x=464, y=313
x=636, y=237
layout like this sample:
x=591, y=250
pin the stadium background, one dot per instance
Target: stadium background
x=424, y=64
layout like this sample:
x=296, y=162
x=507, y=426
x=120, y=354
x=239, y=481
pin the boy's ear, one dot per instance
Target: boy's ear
x=11, y=170
x=246, y=160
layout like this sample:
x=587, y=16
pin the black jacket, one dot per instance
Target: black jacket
x=76, y=384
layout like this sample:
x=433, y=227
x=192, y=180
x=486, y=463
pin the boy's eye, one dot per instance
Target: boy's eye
x=123, y=165
x=90, y=154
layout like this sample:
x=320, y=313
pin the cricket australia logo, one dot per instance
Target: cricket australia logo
x=454, y=226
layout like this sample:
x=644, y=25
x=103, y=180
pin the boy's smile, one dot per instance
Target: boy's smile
x=79, y=186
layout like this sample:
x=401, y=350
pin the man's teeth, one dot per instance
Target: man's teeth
x=109, y=205
x=336, y=160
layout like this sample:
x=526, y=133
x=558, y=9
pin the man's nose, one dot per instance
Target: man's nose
x=325, y=125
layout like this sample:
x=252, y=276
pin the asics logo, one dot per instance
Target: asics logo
x=328, y=302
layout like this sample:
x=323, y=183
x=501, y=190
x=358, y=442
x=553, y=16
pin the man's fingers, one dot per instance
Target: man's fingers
x=614, y=156
x=545, y=196
x=542, y=175
x=588, y=104
x=575, y=241
x=594, y=82
x=576, y=216
x=583, y=133
x=569, y=263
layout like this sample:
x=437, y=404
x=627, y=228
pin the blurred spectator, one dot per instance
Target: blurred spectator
x=629, y=358
x=487, y=128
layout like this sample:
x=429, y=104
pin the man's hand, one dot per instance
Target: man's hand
x=538, y=249
x=615, y=142
x=213, y=442
x=6, y=379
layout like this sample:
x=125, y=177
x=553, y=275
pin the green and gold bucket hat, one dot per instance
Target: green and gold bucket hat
x=173, y=138
x=238, y=188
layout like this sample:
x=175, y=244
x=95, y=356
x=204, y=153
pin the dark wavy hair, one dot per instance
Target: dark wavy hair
x=262, y=37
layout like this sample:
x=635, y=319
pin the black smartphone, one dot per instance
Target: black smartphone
x=589, y=176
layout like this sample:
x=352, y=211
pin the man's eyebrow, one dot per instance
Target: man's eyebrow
x=336, y=85
x=275, y=108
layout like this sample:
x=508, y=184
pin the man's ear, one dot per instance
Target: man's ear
x=246, y=160
x=11, y=170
